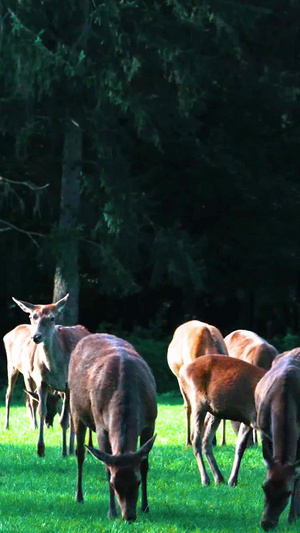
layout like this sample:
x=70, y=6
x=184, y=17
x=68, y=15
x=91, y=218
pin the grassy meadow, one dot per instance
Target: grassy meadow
x=37, y=494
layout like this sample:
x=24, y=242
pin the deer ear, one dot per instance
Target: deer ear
x=102, y=456
x=25, y=306
x=33, y=395
x=146, y=448
x=61, y=303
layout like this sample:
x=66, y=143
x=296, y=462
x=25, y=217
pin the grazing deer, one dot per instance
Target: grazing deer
x=190, y=341
x=20, y=350
x=250, y=347
x=46, y=366
x=112, y=391
x=223, y=387
x=277, y=398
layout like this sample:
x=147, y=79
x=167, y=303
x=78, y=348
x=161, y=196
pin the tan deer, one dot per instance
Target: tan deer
x=190, y=341
x=223, y=387
x=20, y=350
x=248, y=346
x=46, y=366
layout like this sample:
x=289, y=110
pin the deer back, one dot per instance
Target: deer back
x=224, y=385
x=192, y=340
x=250, y=347
x=20, y=349
x=113, y=388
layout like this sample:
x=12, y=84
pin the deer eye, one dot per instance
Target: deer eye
x=52, y=318
x=35, y=316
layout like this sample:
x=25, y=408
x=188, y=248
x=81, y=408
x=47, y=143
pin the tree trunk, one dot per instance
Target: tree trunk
x=66, y=278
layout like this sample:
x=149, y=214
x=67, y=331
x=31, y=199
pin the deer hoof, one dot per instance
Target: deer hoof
x=232, y=482
x=41, y=450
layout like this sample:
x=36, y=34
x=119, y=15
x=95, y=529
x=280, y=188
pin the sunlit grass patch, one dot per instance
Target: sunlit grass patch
x=38, y=494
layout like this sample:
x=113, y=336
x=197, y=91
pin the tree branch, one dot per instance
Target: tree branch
x=28, y=233
x=28, y=184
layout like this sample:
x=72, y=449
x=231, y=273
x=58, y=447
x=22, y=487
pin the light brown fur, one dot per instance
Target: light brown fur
x=250, y=347
x=20, y=354
x=223, y=387
x=190, y=341
x=48, y=364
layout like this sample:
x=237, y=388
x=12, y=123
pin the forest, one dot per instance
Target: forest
x=149, y=164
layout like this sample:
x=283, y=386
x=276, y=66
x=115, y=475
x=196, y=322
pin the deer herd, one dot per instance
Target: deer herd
x=105, y=386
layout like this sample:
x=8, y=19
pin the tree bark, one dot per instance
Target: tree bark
x=66, y=278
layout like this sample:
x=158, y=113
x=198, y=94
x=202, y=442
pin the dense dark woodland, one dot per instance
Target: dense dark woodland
x=167, y=133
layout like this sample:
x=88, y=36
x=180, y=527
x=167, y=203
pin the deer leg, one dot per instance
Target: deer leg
x=187, y=408
x=72, y=435
x=197, y=445
x=104, y=445
x=31, y=403
x=90, y=437
x=212, y=424
x=241, y=445
x=223, y=438
x=294, y=511
x=12, y=378
x=42, y=392
x=64, y=421
x=255, y=441
x=145, y=435
x=80, y=429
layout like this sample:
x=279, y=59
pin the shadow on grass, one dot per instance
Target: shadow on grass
x=39, y=490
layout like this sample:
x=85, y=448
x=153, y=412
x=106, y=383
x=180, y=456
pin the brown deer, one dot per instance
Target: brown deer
x=223, y=387
x=250, y=347
x=190, y=341
x=46, y=367
x=112, y=391
x=20, y=350
x=277, y=398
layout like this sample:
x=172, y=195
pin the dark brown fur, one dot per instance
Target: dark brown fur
x=277, y=399
x=190, y=341
x=47, y=365
x=223, y=387
x=112, y=392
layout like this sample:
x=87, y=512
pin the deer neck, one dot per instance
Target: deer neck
x=54, y=361
x=124, y=431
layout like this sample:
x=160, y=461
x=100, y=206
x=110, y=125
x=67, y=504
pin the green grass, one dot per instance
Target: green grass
x=37, y=494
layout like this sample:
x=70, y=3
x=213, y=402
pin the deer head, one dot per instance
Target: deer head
x=42, y=317
x=125, y=476
x=277, y=487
